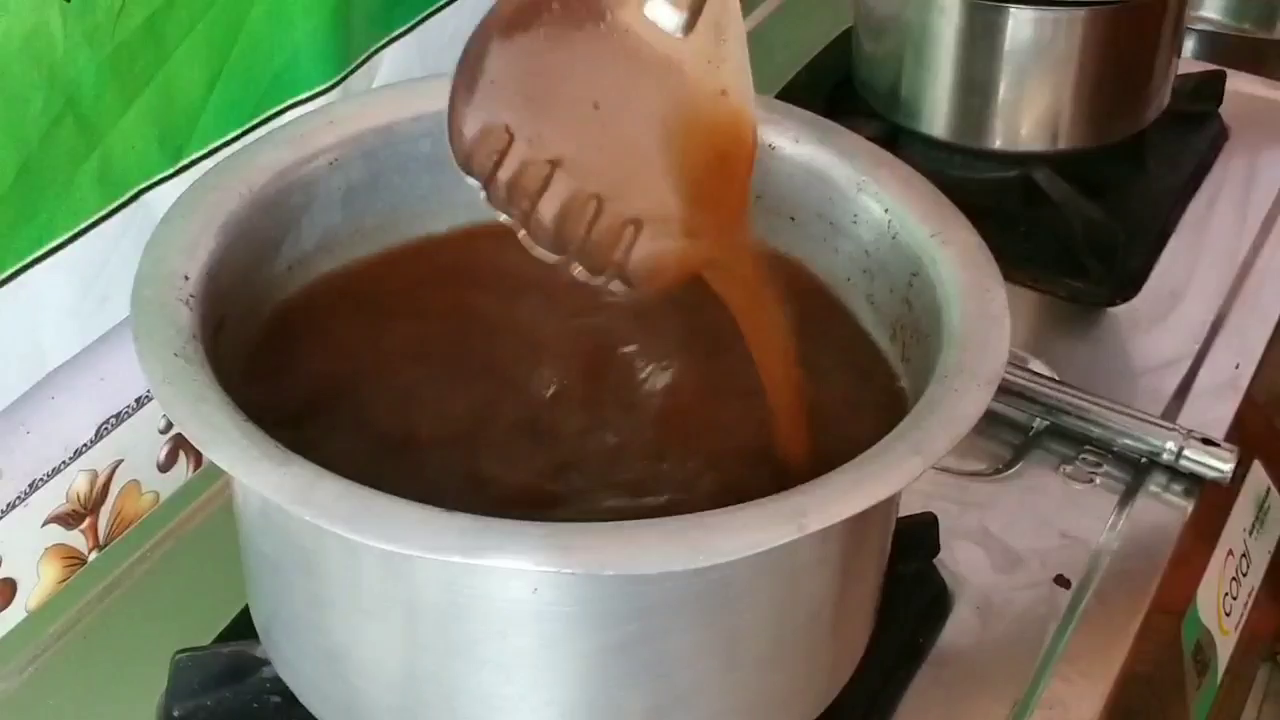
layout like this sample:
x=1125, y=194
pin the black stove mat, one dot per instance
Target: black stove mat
x=232, y=679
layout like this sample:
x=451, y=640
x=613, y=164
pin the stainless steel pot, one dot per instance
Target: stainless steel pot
x=1238, y=34
x=1254, y=54
x=1018, y=77
x=1257, y=18
x=376, y=607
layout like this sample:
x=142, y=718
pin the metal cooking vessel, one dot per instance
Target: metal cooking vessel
x=1238, y=34
x=1254, y=54
x=375, y=607
x=1259, y=18
x=1018, y=77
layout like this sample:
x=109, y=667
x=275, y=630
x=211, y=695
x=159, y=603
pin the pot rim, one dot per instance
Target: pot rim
x=166, y=328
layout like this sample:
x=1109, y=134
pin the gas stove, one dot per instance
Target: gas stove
x=1050, y=550
x=1086, y=227
x=232, y=678
x=1050, y=553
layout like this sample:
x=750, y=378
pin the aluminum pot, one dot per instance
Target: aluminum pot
x=1018, y=76
x=372, y=606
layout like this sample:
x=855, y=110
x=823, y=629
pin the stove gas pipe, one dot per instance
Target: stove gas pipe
x=1113, y=426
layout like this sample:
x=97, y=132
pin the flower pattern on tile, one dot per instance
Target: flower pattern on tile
x=8, y=591
x=85, y=498
x=83, y=512
x=175, y=448
x=130, y=506
x=55, y=568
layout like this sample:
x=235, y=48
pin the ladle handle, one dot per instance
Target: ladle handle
x=1115, y=426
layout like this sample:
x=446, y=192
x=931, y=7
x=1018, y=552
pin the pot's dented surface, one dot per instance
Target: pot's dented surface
x=754, y=612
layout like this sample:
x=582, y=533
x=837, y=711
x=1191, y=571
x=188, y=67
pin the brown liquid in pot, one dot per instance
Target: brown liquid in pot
x=461, y=372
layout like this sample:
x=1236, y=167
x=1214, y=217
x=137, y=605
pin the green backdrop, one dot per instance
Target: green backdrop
x=102, y=99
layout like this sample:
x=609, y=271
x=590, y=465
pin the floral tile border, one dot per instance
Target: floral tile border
x=96, y=454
